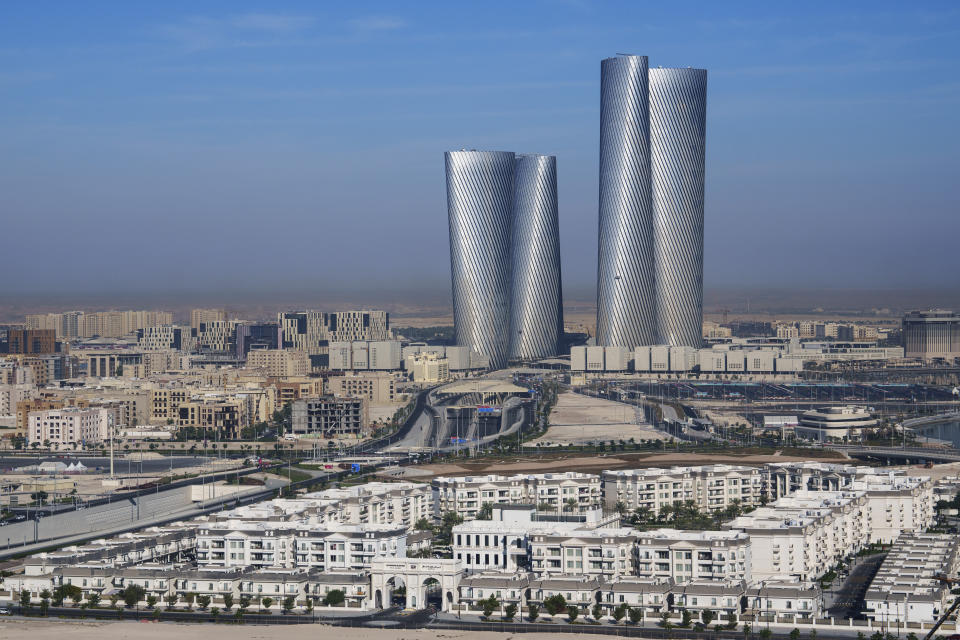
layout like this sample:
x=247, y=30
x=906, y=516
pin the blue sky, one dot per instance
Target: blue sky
x=250, y=146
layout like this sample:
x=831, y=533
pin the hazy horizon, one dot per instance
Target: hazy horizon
x=176, y=149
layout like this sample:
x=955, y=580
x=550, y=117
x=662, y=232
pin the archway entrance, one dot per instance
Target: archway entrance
x=432, y=593
x=414, y=583
x=396, y=592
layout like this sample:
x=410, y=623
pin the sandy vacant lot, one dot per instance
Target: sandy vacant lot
x=579, y=419
x=76, y=630
x=598, y=463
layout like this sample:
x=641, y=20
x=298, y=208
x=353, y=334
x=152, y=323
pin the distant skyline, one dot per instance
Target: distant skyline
x=233, y=147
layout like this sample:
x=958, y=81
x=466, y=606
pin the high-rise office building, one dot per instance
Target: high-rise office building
x=480, y=187
x=678, y=112
x=535, y=309
x=625, y=285
x=650, y=259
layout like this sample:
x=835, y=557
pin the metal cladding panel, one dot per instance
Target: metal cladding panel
x=535, y=308
x=480, y=212
x=678, y=110
x=625, y=285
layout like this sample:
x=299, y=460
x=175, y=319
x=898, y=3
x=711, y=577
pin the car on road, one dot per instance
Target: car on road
x=4, y=611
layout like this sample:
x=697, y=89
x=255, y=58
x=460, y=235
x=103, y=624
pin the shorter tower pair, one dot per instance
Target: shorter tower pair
x=504, y=254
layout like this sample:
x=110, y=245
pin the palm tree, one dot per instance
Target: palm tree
x=570, y=504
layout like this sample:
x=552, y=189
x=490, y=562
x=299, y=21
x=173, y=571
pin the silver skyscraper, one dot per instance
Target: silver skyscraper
x=536, y=313
x=625, y=285
x=480, y=211
x=678, y=111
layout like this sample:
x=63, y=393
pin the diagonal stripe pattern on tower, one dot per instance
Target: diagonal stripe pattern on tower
x=678, y=110
x=625, y=272
x=535, y=311
x=480, y=192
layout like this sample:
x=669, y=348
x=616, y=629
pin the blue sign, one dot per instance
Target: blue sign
x=355, y=467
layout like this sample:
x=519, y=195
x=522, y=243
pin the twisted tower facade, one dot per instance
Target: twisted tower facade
x=625, y=272
x=536, y=307
x=678, y=113
x=480, y=191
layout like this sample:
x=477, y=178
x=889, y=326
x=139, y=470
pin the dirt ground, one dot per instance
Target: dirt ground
x=83, y=630
x=579, y=419
x=601, y=462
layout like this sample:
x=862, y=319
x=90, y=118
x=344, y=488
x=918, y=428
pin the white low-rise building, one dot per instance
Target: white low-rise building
x=802, y=536
x=907, y=588
x=710, y=487
x=568, y=492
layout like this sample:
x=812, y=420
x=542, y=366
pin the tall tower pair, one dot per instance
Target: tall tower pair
x=650, y=258
x=504, y=253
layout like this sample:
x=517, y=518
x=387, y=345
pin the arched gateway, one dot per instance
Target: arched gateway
x=418, y=577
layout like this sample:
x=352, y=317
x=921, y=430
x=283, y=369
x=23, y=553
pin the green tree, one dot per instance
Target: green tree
x=795, y=634
x=510, y=611
x=203, y=601
x=151, y=601
x=266, y=603
x=911, y=636
x=636, y=615
x=485, y=512
x=747, y=630
x=334, y=598
x=573, y=612
x=597, y=612
x=133, y=594
x=189, y=597
x=665, y=620
x=533, y=612
x=24, y=599
x=114, y=599
x=765, y=633
x=44, y=601
x=707, y=616
x=288, y=604
x=555, y=604
x=686, y=618
x=171, y=600
x=813, y=634
x=228, y=601
x=244, y=602
x=619, y=612
x=93, y=600
x=489, y=605
x=423, y=524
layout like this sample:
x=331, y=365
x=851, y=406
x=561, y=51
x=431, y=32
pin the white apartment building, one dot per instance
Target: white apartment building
x=70, y=425
x=783, y=598
x=907, y=588
x=710, y=487
x=802, y=536
x=281, y=545
x=568, y=492
x=279, y=363
x=605, y=552
x=896, y=504
x=694, y=555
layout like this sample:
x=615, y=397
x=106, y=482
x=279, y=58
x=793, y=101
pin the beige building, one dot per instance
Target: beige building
x=378, y=388
x=71, y=425
x=279, y=363
x=200, y=317
x=428, y=367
